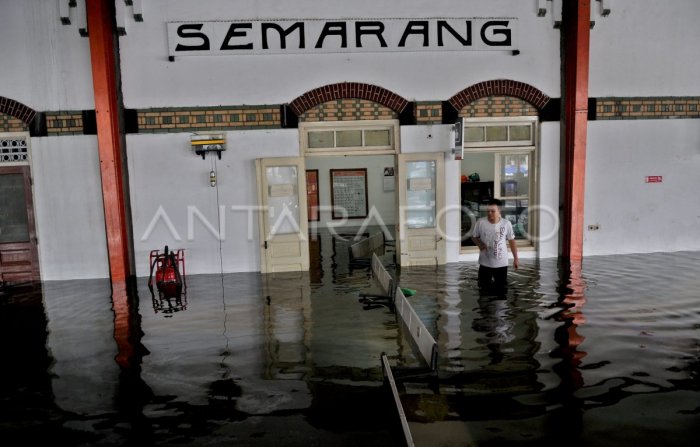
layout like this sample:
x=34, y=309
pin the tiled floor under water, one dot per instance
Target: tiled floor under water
x=608, y=356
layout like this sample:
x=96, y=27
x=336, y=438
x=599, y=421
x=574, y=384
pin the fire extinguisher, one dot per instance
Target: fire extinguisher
x=167, y=275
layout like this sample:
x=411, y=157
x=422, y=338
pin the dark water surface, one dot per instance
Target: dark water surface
x=608, y=355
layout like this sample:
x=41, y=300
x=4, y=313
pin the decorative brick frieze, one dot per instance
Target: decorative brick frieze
x=498, y=106
x=348, y=90
x=499, y=87
x=11, y=124
x=428, y=112
x=191, y=119
x=64, y=123
x=475, y=101
x=664, y=107
x=348, y=110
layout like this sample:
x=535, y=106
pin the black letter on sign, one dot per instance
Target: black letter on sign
x=334, y=29
x=505, y=32
x=466, y=42
x=283, y=34
x=362, y=28
x=182, y=32
x=415, y=27
x=225, y=45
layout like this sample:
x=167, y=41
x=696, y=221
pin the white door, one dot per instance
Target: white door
x=421, y=230
x=283, y=221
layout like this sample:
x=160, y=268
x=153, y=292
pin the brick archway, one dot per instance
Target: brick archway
x=342, y=90
x=499, y=87
x=16, y=109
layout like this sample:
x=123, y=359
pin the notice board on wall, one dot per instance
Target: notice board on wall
x=349, y=193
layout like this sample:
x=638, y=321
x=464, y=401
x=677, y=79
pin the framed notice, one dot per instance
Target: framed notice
x=349, y=193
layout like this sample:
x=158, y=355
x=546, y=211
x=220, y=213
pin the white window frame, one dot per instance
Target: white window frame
x=501, y=121
x=511, y=148
x=319, y=126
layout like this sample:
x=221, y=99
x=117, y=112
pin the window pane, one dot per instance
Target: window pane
x=282, y=200
x=420, y=195
x=520, y=133
x=321, y=139
x=13, y=210
x=348, y=138
x=515, y=180
x=496, y=133
x=473, y=134
x=377, y=138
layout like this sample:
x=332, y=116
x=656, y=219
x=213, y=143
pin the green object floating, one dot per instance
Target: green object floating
x=407, y=292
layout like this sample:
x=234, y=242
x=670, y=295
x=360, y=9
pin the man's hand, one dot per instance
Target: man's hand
x=516, y=263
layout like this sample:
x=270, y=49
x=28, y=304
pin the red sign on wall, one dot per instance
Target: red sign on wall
x=653, y=179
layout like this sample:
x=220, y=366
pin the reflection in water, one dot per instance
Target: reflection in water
x=167, y=305
x=606, y=354
x=133, y=393
x=496, y=325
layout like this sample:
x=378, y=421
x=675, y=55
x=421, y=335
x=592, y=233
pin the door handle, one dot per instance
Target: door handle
x=265, y=245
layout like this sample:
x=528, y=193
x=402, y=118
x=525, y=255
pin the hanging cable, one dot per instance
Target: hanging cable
x=214, y=183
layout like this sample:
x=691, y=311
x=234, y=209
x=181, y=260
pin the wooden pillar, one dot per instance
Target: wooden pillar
x=104, y=79
x=576, y=17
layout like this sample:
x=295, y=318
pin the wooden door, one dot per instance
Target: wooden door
x=421, y=227
x=19, y=260
x=283, y=223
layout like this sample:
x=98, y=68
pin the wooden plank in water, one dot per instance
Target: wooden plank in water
x=397, y=400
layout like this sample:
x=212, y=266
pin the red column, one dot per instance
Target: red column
x=104, y=71
x=123, y=334
x=576, y=26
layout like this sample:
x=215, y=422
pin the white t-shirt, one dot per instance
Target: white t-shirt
x=494, y=236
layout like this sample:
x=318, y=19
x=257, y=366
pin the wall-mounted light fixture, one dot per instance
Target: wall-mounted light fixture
x=204, y=143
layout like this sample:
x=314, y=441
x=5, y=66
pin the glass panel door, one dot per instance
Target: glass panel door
x=421, y=194
x=283, y=220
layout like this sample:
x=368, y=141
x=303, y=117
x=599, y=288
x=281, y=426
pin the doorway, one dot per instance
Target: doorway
x=19, y=260
x=352, y=176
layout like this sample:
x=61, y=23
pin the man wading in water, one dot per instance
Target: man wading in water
x=490, y=235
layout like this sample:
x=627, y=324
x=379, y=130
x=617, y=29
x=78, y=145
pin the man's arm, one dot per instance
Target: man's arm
x=478, y=243
x=514, y=250
x=477, y=239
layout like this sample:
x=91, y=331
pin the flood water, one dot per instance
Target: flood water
x=605, y=355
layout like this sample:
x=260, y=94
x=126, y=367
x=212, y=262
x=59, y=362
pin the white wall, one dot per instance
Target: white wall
x=149, y=80
x=68, y=208
x=383, y=202
x=45, y=65
x=646, y=48
x=634, y=216
x=163, y=171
